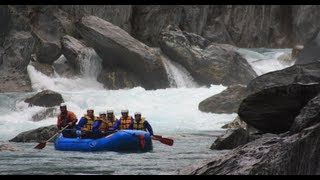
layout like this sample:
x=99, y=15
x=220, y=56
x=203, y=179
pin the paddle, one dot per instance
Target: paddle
x=43, y=144
x=163, y=140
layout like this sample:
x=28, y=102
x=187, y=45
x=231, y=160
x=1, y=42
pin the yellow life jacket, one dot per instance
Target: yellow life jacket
x=140, y=125
x=89, y=123
x=105, y=124
x=124, y=123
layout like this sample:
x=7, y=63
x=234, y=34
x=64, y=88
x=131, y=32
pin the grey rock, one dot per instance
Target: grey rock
x=46, y=98
x=227, y=101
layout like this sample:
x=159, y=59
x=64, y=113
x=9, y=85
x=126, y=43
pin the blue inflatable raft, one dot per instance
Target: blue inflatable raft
x=122, y=140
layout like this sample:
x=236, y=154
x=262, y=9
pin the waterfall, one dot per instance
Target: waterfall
x=90, y=63
x=178, y=76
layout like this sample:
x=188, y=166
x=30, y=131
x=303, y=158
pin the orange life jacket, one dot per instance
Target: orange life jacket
x=139, y=125
x=64, y=119
x=105, y=124
x=124, y=123
x=90, y=121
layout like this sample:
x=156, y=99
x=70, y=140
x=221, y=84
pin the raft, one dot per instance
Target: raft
x=122, y=140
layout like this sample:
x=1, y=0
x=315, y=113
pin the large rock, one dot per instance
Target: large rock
x=48, y=30
x=227, y=101
x=288, y=155
x=309, y=115
x=216, y=64
x=18, y=47
x=274, y=109
x=36, y=135
x=305, y=73
x=311, y=52
x=117, y=48
x=232, y=139
x=46, y=98
x=149, y=21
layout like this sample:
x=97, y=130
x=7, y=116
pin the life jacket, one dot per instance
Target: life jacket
x=64, y=119
x=124, y=123
x=105, y=124
x=89, y=123
x=140, y=125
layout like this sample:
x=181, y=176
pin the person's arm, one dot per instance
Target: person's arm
x=96, y=125
x=149, y=128
x=131, y=125
x=72, y=119
x=58, y=123
x=81, y=123
x=115, y=126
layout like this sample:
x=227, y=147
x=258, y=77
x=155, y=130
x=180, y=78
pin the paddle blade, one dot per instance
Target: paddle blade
x=166, y=141
x=40, y=145
x=163, y=140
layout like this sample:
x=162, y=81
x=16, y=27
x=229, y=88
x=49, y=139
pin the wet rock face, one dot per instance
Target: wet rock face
x=289, y=155
x=232, y=139
x=216, y=64
x=118, y=49
x=304, y=73
x=46, y=98
x=274, y=109
x=15, y=58
x=37, y=135
x=309, y=115
x=227, y=101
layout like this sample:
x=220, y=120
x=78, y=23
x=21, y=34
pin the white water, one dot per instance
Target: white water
x=266, y=60
x=170, y=111
x=173, y=112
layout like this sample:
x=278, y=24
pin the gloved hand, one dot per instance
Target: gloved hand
x=78, y=132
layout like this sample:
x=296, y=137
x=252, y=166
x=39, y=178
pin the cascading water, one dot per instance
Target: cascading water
x=178, y=76
x=172, y=112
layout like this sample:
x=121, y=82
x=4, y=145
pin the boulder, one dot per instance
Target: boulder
x=46, y=98
x=308, y=116
x=227, y=101
x=118, y=49
x=289, y=155
x=274, y=109
x=36, y=135
x=304, y=73
x=216, y=64
x=232, y=139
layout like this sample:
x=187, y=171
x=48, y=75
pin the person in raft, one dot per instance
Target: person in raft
x=123, y=122
x=101, y=126
x=67, y=118
x=84, y=127
x=140, y=123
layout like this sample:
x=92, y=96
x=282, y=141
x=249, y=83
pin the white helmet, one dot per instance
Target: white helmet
x=137, y=113
x=125, y=111
x=90, y=109
x=102, y=112
x=110, y=111
x=63, y=105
